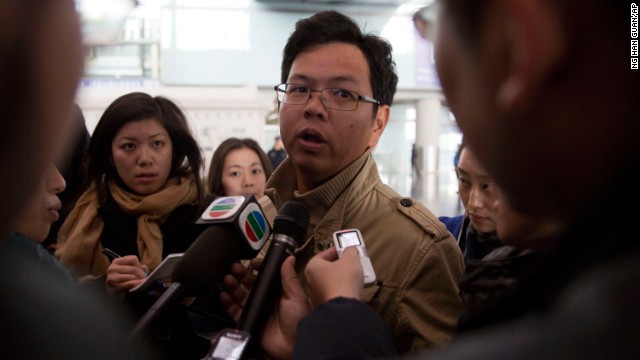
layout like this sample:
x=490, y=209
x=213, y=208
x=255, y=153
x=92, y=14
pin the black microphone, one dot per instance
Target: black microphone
x=238, y=230
x=289, y=229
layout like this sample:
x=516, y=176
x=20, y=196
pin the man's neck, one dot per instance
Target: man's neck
x=304, y=186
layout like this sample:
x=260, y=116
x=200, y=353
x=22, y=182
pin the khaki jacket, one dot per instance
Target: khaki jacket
x=416, y=260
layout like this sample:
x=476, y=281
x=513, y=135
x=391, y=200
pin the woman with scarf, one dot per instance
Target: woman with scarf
x=144, y=197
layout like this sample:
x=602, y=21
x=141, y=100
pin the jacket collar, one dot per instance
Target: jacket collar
x=281, y=187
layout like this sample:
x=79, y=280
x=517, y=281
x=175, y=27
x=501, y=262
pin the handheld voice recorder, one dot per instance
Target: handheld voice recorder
x=342, y=239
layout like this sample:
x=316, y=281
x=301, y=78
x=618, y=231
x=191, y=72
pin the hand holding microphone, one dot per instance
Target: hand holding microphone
x=237, y=285
x=279, y=332
x=289, y=229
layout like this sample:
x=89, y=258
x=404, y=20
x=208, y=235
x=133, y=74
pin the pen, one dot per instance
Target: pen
x=112, y=255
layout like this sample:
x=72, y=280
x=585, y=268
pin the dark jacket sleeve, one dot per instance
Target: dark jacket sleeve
x=343, y=329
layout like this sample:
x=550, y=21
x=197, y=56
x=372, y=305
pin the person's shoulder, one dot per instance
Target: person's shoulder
x=600, y=305
x=453, y=224
x=67, y=321
x=414, y=212
x=23, y=247
x=268, y=207
x=422, y=216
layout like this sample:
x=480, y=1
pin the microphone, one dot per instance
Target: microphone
x=289, y=229
x=238, y=230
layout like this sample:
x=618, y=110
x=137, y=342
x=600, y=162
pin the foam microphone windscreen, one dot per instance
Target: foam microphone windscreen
x=292, y=219
x=208, y=259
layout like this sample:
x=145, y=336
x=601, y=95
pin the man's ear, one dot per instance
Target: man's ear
x=379, y=124
x=537, y=47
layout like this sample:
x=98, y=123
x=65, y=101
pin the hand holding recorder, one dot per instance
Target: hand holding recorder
x=329, y=276
x=352, y=238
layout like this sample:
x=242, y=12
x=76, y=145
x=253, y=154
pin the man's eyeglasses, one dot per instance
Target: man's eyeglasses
x=332, y=98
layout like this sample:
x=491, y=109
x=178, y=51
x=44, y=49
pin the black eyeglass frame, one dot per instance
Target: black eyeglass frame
x=359, y=97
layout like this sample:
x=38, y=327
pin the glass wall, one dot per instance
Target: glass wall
x=234, y=43
x=220, y=60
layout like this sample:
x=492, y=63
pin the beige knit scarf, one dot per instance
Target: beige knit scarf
x=79, y=247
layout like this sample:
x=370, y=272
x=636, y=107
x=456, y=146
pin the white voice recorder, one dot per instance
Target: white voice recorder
x=342, y=239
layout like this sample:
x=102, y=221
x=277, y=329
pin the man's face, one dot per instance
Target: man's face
x=508, y=82
x=322, y=141
x=36, y=216
x=465, y=82
x=54, y=69
x=523, y=229
x=470, y=71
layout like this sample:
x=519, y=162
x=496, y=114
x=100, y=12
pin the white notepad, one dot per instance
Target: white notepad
x=163, y=271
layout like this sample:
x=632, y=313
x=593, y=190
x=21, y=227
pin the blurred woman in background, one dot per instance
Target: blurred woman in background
x=475, y=230
x=239, y=167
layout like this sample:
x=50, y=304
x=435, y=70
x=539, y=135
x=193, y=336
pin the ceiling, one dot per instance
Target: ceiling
x=294, y=5
x=336, y=2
